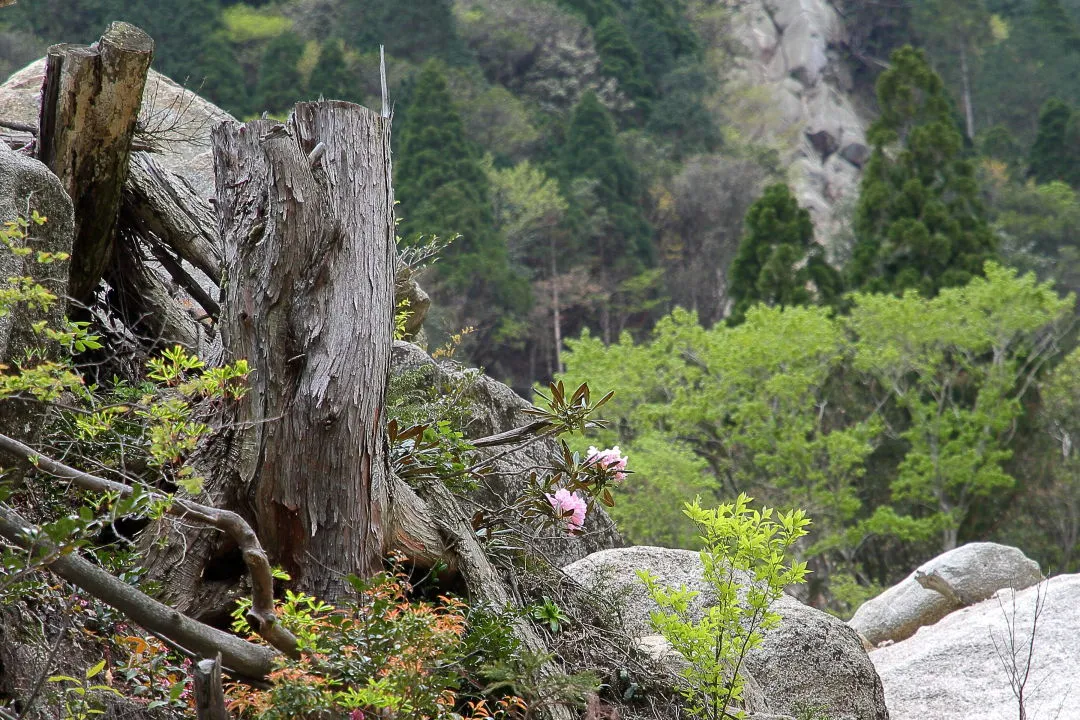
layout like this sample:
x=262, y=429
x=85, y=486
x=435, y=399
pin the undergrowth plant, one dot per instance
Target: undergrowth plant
x=745, y=558
x=376, y=655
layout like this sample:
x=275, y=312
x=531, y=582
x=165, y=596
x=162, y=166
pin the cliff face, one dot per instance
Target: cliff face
x=794, y=91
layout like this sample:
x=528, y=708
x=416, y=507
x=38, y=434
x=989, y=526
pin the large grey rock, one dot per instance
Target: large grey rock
x=27, y=186
x=970, y=573
x=812, y=659
x=495, y=408
x=173, y=120
x=791, y=91
x=953, y=671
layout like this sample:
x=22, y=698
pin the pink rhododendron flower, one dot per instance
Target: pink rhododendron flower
x=610, y=459
x=563, y=501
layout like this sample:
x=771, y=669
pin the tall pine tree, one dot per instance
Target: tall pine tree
x=1055, y=155
x=444, y=191
x=330, y=77
x=778, y=262
x=592, y=151
x=919, y=223
x=619, y=59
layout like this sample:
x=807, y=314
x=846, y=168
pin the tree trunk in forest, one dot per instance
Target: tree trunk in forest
x=308, y=301
x=969, y=110
x=89, y=107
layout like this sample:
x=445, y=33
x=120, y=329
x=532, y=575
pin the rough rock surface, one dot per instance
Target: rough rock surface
x=175, y=125
x=495, y=408
x=812, y=659
x=952, y=670
x=970, y=573
x=174, y=122
x=792, y=91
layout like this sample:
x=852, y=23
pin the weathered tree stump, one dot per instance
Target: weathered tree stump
x=308, y=301
x=90, y=104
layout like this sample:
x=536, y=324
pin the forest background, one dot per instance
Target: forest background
x=603, y=195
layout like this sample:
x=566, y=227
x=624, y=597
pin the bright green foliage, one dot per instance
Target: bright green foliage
x=444, y=191
x=746, y=563
x=592, y=151
x=778, y=258
x=957, y=365
x=330, y=77
x=919, y=223
x=529, y=212
x=619, y=59
x=745, y=401
x=1055, y=155
x=280, y=85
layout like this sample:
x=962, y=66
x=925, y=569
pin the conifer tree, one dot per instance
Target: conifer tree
x=619, y=59
x=919, y=223
x=1054, y=154
x=778, y=260
x=280, y=84
x=594, y=11
x=223, y=79
x=592, y=151
x=412, y=29
x=662, y=35
x=330, y=77
x=444, y=191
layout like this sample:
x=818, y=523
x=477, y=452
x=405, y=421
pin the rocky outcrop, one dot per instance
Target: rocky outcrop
x=495, y=408
x=964, y=576
x=793, y=91
x=174, y=127
x=26, y=187
x=174, y=122
x=811, y=660
x=956, y=669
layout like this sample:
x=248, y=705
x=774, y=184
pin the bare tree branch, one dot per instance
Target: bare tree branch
x=241, y=656
x=261, y=615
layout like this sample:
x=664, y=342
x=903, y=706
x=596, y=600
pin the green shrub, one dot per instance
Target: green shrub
x=745, y=559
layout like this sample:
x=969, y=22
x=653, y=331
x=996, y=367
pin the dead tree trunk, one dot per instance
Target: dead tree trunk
x=309, y=238
x=90, y=103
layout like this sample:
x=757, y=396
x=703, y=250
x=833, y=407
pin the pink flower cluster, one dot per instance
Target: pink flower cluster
x=563, y=501
x=610, y=459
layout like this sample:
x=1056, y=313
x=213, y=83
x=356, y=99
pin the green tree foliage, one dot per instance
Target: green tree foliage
x=746, y=561
x=592, y=151
x=745, y=401
x=330, y=77
x=280, y=84
x=1055, y=508
x=223, y=82
x=778, y=258
x=1037, y=226
x=662, y=34
x=416, y=30
x=594, y=11
x=619, y=59
x=795, y=404
x=919, y=223
x=445, y=191
x=1055, y=154
x=957, y=365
